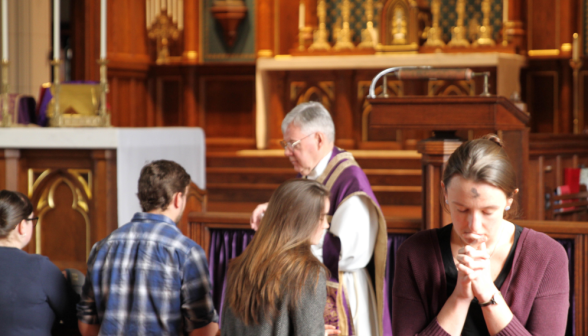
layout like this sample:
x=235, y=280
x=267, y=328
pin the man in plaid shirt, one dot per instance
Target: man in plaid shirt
x=147, y=278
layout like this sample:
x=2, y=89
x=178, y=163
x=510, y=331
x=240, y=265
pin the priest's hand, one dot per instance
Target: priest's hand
x=256, y=216
x=330, y=330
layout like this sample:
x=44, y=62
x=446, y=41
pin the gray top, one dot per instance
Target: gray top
x=305, y=320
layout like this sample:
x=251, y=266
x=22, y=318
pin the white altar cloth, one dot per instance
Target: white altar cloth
x=134, y=148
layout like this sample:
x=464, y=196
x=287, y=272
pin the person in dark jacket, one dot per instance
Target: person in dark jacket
x=33, y=291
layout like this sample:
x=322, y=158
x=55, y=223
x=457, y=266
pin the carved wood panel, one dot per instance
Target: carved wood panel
x=74, y=195
x=62, y=198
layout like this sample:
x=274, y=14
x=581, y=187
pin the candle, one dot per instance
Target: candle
x=575, y=49
x=301, y=15
x=56, y=23
x=5, y=30
x=504, y=11
x=103, y=29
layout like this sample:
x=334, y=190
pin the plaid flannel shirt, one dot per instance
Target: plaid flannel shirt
x=147, y=278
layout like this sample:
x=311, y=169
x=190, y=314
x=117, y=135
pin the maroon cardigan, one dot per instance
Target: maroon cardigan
x=536, y=289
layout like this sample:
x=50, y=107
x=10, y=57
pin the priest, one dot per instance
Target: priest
x=354, y=248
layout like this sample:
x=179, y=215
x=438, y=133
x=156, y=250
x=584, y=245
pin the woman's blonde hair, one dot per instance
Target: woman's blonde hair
x=483, y=160
x=278, y=262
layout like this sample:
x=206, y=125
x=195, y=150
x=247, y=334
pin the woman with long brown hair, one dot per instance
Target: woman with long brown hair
x=277, y=286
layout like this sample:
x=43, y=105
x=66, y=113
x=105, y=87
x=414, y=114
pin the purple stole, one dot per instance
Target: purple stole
x=344, y=178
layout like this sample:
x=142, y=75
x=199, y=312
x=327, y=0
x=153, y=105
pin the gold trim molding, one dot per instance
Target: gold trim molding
x=544, y=52
x=265, y=53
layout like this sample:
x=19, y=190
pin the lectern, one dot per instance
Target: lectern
x=454, y=113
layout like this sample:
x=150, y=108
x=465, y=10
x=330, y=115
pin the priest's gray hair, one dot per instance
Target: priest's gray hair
x=311, y=117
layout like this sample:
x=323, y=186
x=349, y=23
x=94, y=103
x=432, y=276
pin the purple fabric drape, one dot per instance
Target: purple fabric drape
x=21, y=108
x=568, y=245
x=224, y=246
x=228, y=244
x=26, y=110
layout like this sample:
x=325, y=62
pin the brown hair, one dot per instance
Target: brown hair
x=483, y=160
x=158, y=183
x=278, y=262
x=14, y=207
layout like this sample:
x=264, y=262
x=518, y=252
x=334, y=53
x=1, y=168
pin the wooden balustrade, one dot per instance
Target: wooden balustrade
x=201, y=223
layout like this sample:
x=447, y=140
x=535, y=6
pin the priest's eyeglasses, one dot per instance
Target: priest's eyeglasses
x=292, y=145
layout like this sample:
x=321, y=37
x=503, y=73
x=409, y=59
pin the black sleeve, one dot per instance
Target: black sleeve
x=60, y=296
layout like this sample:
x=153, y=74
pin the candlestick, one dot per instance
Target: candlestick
x=344, y=37
x=485, y=30
x=103, y=29
x=321, y=34
x=575, y=48
x=6, y=117
x=301, y=13
x=434, y=34
x=103, y=112
x=576, y=65
x=458, y=33
x=56, y=119
x=5, y=30
x=56, y=23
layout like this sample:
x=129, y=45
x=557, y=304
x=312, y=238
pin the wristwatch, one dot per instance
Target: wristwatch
x=492, y=300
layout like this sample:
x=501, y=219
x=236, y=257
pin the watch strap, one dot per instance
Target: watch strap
x=492, y=300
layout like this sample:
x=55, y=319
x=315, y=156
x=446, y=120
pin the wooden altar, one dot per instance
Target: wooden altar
x=341, y=84
x=83, y=182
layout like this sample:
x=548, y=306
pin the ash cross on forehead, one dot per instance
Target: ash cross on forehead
x=475, y=192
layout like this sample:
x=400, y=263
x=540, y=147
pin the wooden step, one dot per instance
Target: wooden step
x=261, y=192
x=251, y=176
x=248, y=158
x=276, y=159
x=394, y=177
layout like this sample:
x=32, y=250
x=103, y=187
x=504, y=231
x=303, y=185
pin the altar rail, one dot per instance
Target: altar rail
x=227, y=235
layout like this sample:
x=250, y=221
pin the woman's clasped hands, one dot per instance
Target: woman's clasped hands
x=474, y=273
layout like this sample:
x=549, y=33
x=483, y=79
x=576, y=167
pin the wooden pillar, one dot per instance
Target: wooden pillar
x=277, y=104
x=191, y=31
x=9, y=169
x=516, y=146
x=190, y=100
x=514, y=28
x=435, y=154
x=105, y=216
x=343, y=111
x=265, y=28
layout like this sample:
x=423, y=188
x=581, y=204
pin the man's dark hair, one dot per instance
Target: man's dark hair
x=158, y=183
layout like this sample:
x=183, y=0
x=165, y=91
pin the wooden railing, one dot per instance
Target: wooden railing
x=200, y=225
